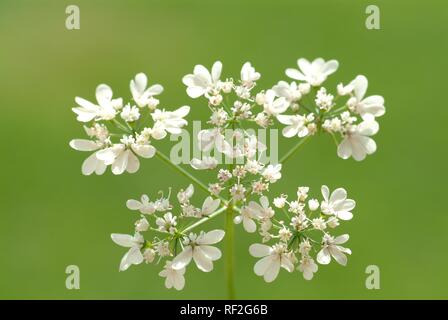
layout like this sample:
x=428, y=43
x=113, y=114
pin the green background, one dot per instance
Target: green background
x=51, y=216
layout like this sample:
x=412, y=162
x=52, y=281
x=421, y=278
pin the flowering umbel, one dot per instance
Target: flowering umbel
x=296, y=233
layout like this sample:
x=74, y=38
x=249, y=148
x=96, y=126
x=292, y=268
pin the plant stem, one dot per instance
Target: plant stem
x=291, y=152
x=203, y=220
x=185, y=173
x=229, y=245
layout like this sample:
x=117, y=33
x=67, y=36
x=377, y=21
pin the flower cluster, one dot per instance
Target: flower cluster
x=167, y=229
x=119, y=134
x=299, y=228
x=295, y=232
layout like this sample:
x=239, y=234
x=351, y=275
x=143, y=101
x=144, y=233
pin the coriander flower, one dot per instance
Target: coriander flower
x=122, y=156
x=337, y=203
x=331, y=248
x=272, y=259
x=184, y=196
x=209, y=206
x=247, y=217
x=314, y=73
x=308, y=267
x=143, y=96
x=135, y=243
x=273, y=105
x=174, y=277
x=272, y=173
x=130, y=114
x=167, y=223
x=198, y=248
x=207, y=163
x=104, y=110
x=296, y=125
x=92, y=163
x=171, y=121
x=357, y=142
x=249, y=75
x=373, y=105
x=144, y=206
x=213, y=138
x=202, y=82
x=290, y=91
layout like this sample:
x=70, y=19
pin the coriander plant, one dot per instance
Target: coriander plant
x=295, y=231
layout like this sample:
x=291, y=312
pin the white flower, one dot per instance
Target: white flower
x=331, y=248
x=373, y=105
x=246, y=217
x=202, y=82
x=272, y=173
x=290, y=92
x=184, y=196
x=206, y=163
x=174, y=277
x=284, y=234
x=337, y=203
x=130, y=114
x=92, y=163
x=323, y=99
x=149, y=255
x=134, y=255
x=296, y=125
x=142, y=95
x=249, y=75
x=357, y=142
x=314, y=73
x=238, y=192
x=122, y=156
x=200, y=250
x=105, y=110
x=141, y=225
x=261, y=211
x=313, y=204
x=308, y=267
x=170, y=121
x=272, y=259
x=163, y=248
x=209, y=206
x=272, y=105
x=208, y=139
x=280, y=202
x=319, y=224
x=167, y=223
x=144, y=206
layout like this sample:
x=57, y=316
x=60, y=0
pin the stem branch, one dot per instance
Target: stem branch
x=291, y=152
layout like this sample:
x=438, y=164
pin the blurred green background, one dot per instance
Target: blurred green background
x=52, y=216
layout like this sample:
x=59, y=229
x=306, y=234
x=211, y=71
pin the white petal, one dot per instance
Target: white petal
x=179, y=281
x=120, y=163
x=272, y=272
x=216, y=71
x=330, y=67
x=182, y=259
x=249, y=225
x=325, y=192
x=103, y=95
x=263, y=265
x=144, y=151
x=360, y=86
x=258, y=250
x=345, y=149
x=211, y=252
x=211, y=237
x=83, y=145
x=338, y=195
x=133, y=204
x=203, y=262
x=91, y=164
x=154, y=90
x=323, y=257
x=123, y=240
x=341, y=239
x=338, y=256
x=285, y=119
x=295, y=74
x=210, y=205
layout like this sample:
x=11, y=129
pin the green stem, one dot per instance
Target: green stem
x=185, y=173
x=291, y=152
x=229, y=253
x=203, y=220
